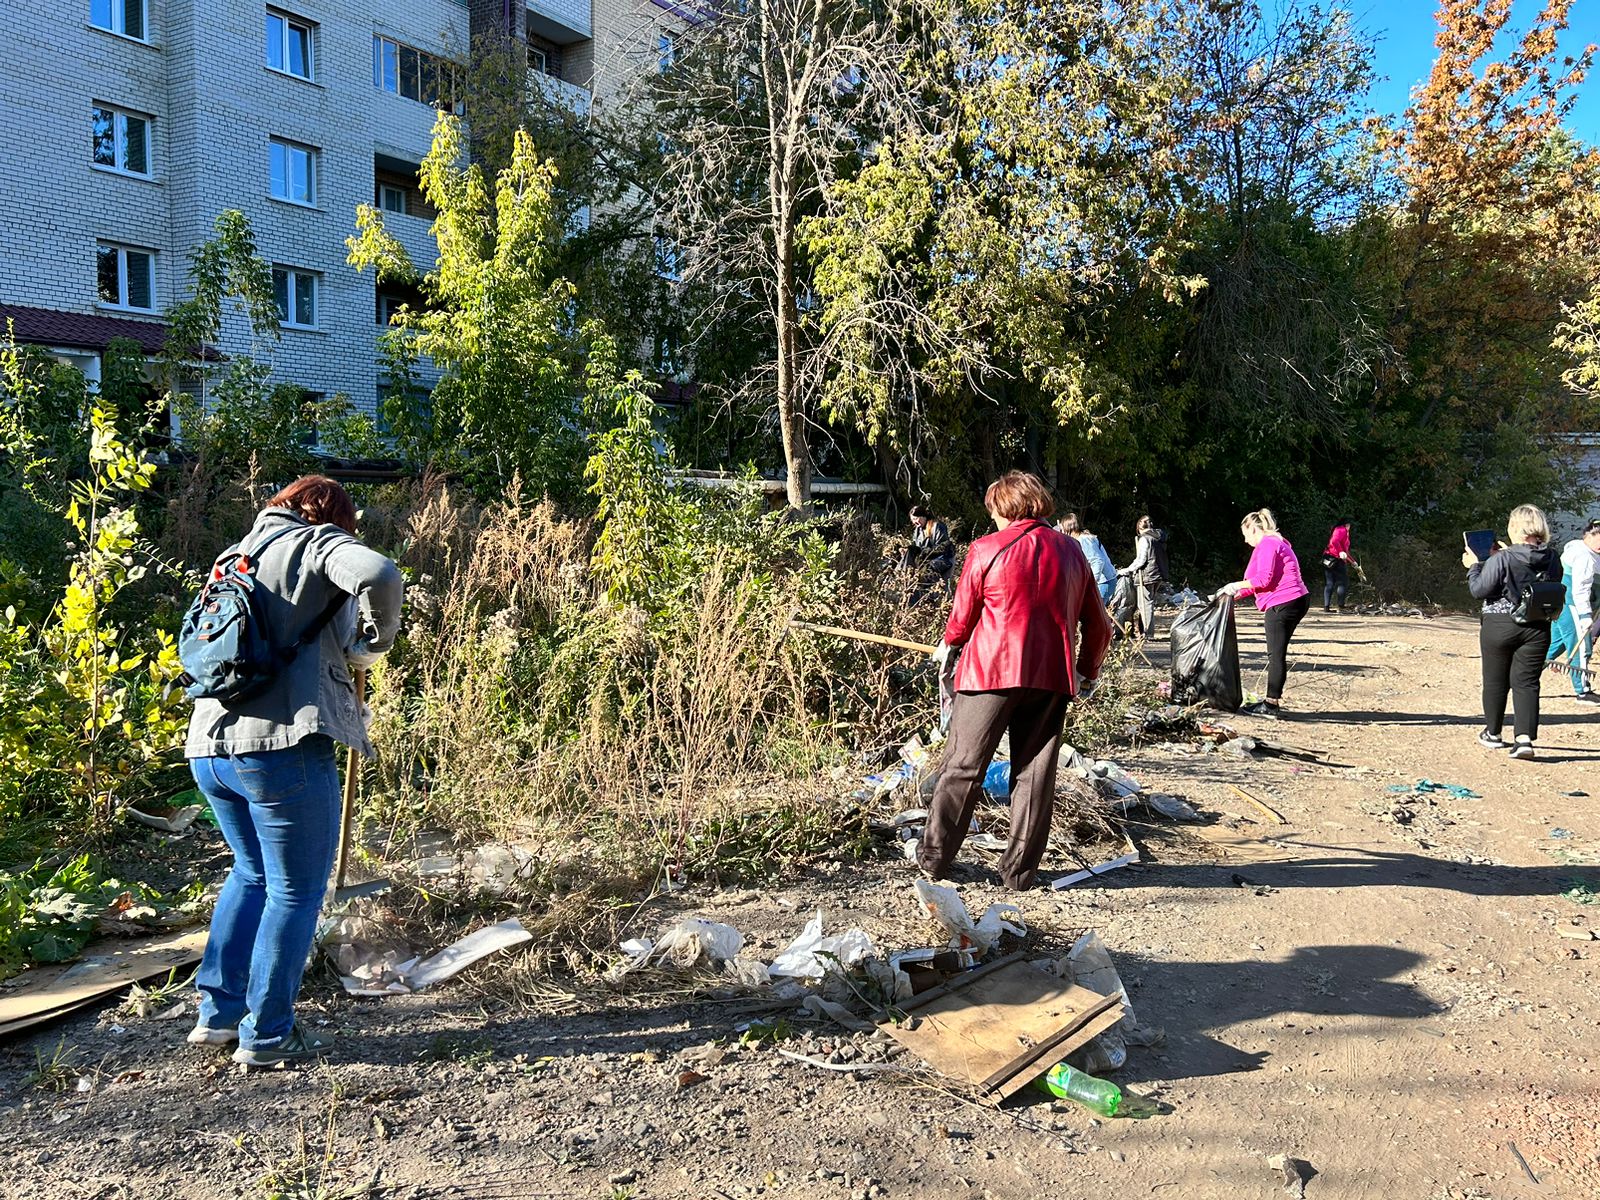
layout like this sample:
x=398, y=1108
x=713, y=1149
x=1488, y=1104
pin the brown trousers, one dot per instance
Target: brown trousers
x=1034, y=719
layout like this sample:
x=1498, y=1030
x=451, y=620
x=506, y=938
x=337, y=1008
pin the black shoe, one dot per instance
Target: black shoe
x=1326, y=609
x=299, y=1046
x=1261, y=709
x=1491, y=741
x=1523, y=748
x=1588, y=698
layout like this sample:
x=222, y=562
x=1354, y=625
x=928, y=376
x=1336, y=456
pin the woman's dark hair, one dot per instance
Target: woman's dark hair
x=1018, y=496
x=320, y=500
x=1338, y=521
x=1145, y=524
x=920, y=513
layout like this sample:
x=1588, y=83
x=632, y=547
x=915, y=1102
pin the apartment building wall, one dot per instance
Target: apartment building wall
x=200, y=74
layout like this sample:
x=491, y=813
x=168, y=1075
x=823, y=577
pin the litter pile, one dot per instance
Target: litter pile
x=977, y=1008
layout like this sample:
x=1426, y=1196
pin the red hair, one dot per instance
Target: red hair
x=1018, y=496
x=320, y=500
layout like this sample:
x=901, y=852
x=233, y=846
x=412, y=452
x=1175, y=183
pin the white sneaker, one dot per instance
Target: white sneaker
x=205, y=1035
x=1523, y=748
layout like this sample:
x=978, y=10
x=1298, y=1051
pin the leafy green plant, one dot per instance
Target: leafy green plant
x=48, y=916
x=56, y=1071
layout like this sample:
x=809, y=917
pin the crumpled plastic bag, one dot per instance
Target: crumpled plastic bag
x=683, y=945
x=812, y=956
x=945, y=906
x=1088, y=964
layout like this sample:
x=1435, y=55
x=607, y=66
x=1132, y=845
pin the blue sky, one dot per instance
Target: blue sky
x=1404, y=30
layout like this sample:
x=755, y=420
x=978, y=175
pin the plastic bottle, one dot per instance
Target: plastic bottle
x=1100, y=1095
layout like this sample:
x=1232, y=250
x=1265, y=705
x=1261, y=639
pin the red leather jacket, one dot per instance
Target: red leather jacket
x=1026, y=600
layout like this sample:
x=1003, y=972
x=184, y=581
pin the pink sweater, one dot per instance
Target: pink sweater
x=1338, y=541
x=1274, y=573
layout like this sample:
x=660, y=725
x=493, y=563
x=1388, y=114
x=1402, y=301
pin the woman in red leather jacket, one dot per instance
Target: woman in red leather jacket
x=1029, y=616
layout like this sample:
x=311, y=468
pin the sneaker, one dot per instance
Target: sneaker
x=299, y=1046
x=1326, y=609
x=1523, y=748
x=1261, y=709
x=1588, y=698
x=1491, y=741
x=213, y=1035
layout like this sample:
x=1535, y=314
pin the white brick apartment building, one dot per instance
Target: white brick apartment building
x=133, y=123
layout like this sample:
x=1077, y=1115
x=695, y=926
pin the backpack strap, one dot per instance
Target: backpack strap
x=314, y=630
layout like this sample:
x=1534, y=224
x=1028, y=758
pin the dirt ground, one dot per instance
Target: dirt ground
x=1388, y=998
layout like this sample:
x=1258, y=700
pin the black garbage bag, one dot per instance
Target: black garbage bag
x=1123, y=602
x=1205, y=656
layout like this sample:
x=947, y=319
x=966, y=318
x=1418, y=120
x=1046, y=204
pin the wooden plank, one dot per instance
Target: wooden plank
x=1000, y=1030
x=858, y=635
x=1272, y=813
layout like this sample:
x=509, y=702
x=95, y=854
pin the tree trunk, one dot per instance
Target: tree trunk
x=791, y=412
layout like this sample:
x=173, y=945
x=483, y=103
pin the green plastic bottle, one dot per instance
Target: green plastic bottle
x=1100, y=1095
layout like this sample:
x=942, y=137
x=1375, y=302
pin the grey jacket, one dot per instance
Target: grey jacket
x=298, y=576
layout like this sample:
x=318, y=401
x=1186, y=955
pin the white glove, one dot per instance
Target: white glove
x=941, y=653
x=1229, y=589
x=362, y=658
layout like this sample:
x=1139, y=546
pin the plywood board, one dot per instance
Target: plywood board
x=1001, y=1027
x=44, y=993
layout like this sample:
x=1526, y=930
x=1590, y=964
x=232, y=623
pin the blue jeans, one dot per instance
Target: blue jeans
x=279, y=812
x=1564, y=637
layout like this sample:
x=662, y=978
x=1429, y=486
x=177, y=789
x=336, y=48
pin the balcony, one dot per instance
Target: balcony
x=559, y=92
x=561, y=21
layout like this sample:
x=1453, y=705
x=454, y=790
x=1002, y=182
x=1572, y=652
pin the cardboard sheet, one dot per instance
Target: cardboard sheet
x=106, y=967
x=1002, y=1026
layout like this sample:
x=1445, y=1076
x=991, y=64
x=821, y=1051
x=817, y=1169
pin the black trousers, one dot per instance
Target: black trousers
x=1513, y=659
x=1034, y=719
x=1335, y=583
x=1281, y=622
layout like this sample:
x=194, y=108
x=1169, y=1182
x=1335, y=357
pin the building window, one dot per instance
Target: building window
x=392, y=199
x=295, y=293
x=126, y=276
x=121, y=141
x=414, y=74
x=669, y=259
x=118, y=16
x=538, y=60
x=294, y=172
x=288, y=44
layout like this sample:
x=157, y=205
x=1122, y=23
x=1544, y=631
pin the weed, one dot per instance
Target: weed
x=461, y=1049
x=1581, y=892
x=57, y=1072
x=304, y=1173
x=146, y=1001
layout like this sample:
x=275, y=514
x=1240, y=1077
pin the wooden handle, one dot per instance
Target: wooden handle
x=352, y=783
x=876, y=639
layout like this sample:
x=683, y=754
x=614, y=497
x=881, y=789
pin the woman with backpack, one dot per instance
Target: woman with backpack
x=1273, y=578
x=1148, y=570
x=261, y=746
x=1034, y=634
x=1520, y=586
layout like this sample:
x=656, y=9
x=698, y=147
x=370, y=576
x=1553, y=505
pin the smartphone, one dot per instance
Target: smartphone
x=1480, y=542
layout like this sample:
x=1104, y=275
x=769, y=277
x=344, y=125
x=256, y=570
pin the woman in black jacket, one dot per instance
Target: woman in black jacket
x=1513, y=652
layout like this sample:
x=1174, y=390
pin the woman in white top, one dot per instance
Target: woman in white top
x=1572, y=633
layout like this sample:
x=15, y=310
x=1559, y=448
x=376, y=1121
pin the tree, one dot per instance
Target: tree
x=1498, y=230
x=496, y=321
x=965, y=275
x=766, y=107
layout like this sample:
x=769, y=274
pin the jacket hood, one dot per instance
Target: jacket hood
x=1538, y=558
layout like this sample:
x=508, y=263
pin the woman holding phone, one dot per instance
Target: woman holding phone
x=1513, y=647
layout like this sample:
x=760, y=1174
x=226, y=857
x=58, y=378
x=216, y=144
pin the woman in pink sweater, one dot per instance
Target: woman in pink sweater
x=1273, y=578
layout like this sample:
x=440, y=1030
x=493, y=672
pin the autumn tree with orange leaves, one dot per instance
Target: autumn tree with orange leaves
x=1497, y=232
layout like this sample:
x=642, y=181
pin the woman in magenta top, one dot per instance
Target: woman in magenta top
x=1273, y=578
x=1336, y=560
